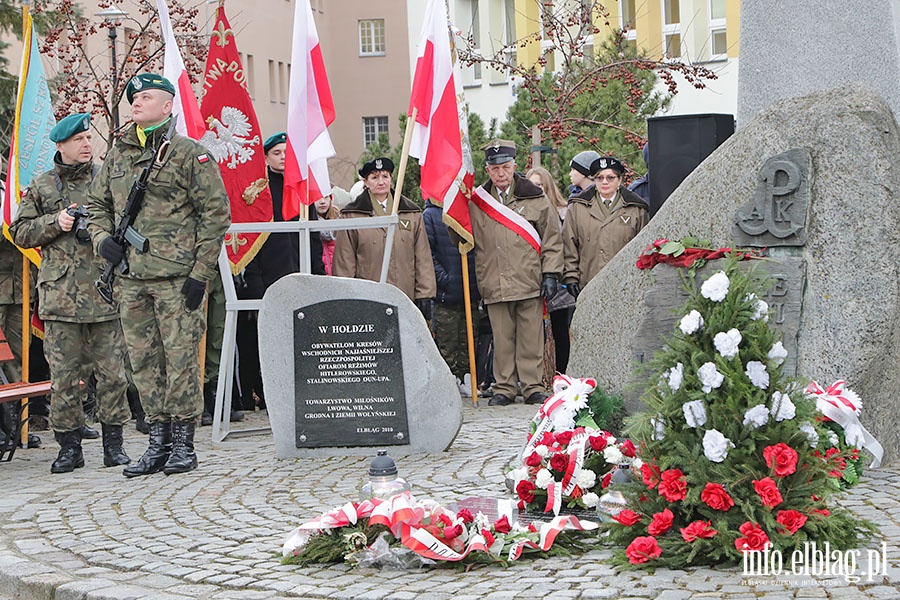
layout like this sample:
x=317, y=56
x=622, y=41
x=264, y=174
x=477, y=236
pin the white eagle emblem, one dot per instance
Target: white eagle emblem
x=227, y=139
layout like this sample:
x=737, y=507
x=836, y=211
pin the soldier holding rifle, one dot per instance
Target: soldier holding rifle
x=183, y=214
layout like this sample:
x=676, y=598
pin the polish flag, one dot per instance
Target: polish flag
x=185, y=107
x=310, y=112
x=440, y=137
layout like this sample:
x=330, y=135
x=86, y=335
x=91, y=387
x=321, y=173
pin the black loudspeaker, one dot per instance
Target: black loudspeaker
x=677, y=145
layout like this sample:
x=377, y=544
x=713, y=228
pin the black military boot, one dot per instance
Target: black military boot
x=70, y=455
x=157, y=453
x=182, y=459
x=88, y=433
x=137, y=410
x=209, y=403
x=113, y=453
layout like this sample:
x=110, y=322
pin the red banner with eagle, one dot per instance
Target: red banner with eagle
x=233, y=139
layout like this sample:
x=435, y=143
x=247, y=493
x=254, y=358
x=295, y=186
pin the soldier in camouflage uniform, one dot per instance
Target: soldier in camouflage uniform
x=82, y=333
x=184, y=216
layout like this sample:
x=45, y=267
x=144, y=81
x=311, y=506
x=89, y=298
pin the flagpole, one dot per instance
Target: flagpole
x=470, y=336
x=398, y=192
x=26, y=340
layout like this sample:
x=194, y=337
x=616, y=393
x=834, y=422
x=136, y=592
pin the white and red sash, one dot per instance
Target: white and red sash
x=506, y=217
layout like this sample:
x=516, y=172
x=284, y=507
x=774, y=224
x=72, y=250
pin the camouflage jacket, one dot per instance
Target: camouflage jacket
x=185, y=212
x=69, y=268
x=10, y=273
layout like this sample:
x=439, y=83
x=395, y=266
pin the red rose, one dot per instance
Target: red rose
x=673, y=485
x=604, y=483
x=488, y=537
x=502, y=525
x=532, y=528
x=661, y=523
x=453, y=531
x=627, y=517
x=791, y=519
x=548, y=438
x=445, y=519
x=559, y=462
x=650, y=475
x=465, y=515
x=697, y=530
x=577, y=492
x=716, y=497
x=564, y=437
x=834, y=455
x=598, y=442
x=781, y=458
x=627, y=448
x=754, y=538
x=768, y=492
x=525, y=490
x=642, y=549
x=533, y=460
x=822, y=511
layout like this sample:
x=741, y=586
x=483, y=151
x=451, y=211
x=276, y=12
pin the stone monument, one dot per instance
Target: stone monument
x=814, y=179
x=350, y=367
x=791, y=49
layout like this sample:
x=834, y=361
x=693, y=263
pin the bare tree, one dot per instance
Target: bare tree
x=87, y=79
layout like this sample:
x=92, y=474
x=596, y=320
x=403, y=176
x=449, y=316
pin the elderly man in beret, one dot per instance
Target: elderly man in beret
x=600, y=221
x=184, y=216
x=83, y=335
x=358, y=253
x=518, y=260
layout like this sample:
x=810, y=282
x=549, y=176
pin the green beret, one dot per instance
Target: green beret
x=70, y=126
x=147, y=81
x=273, y=140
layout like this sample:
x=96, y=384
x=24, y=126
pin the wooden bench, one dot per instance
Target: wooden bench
x=11, y=392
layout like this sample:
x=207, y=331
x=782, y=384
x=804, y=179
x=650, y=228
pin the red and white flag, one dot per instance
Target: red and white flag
x=310, y=112
x=235, y=142
x=440, y=133
x=185, y=107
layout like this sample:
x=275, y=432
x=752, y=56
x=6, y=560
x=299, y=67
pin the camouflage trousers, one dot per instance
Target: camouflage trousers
x=75, y=351
x=163, y=339
x=451, y=336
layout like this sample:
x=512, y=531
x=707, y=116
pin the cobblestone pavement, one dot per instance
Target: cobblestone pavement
x=217, y=532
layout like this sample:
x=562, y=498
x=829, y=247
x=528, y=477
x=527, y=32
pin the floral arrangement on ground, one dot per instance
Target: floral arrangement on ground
x=403, y=532
x=734, y=456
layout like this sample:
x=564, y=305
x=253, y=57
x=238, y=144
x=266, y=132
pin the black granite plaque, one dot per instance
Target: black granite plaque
x=348, y=374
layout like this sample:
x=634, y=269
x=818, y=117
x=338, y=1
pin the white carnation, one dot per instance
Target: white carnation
x=563, y=418
x=586, y=479
x=542, y=450
x=659, y=426
x=758, y=375
x=777, y=354
x=675, y=377
x=811, y=434
x=710, y=377
x=519, y=474
x=716, y=287
x=612, y=455
x=756, y=416
x=543, y=479
x=716, y=446
x=691, y=322
x=727, y=342
x=783, y=407
x=694, y=413
x=833, y=438
x=590, y=499
x=636, y=463
x=760, y=307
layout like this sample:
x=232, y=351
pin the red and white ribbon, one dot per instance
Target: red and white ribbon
x=843, y=406
x=564, y=388
x=506, y=217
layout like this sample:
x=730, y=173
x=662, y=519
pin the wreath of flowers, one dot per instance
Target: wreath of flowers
x=689, y=252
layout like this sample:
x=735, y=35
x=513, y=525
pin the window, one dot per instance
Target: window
x=372, y=128
x=718, y=40
x=475, y=29
x=671, y=29
x=371, y=37
x=626, y=14
x=509, y=15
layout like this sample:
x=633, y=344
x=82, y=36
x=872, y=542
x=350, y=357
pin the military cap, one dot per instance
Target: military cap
x=607, y=162
x=377, y=164
x=497, y=152
x=69, y=126
x=147, y=81
x=273, y=140
x=583, y=161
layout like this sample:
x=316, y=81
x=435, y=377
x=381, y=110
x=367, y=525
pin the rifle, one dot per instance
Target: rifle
x=125, y=234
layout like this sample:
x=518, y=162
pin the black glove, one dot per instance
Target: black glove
x=574, y=289
x=111, y=251
x=549, y=286
x=193, y=293
x=426, y=306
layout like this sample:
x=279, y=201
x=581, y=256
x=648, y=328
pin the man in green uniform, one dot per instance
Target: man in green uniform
x=83, y=335
x=184, y=217
x=518, y=260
